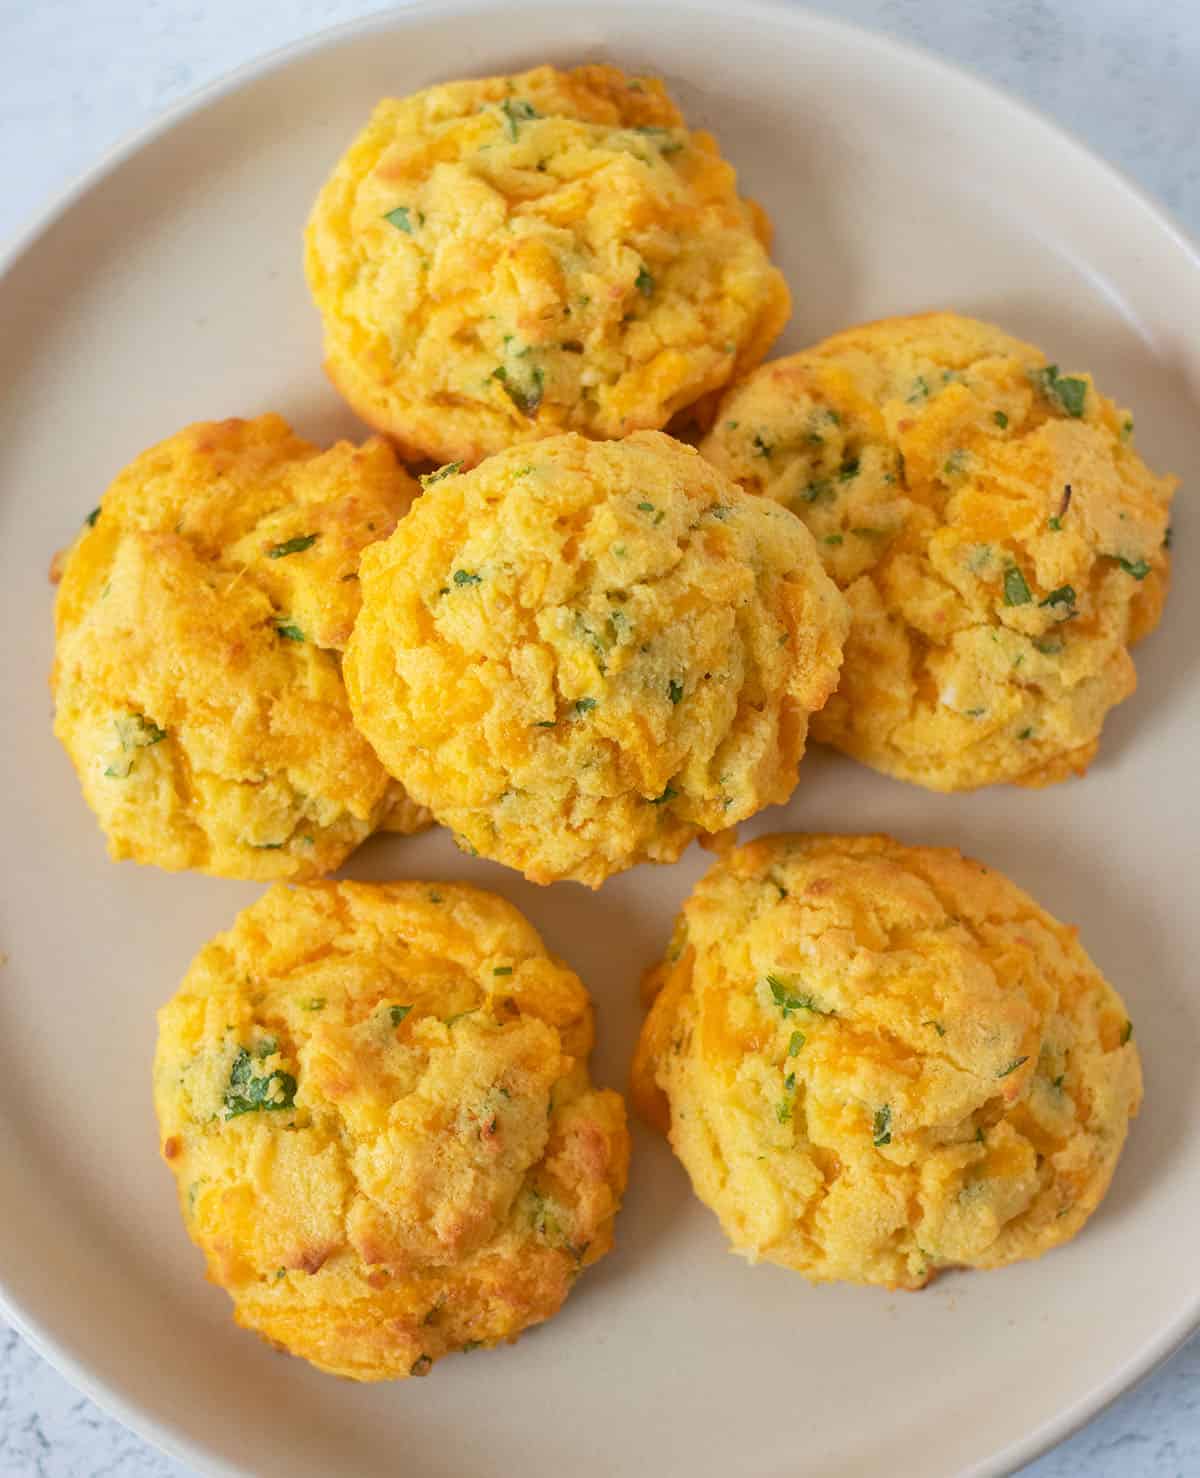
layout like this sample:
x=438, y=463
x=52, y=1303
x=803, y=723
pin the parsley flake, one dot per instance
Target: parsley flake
x=90, y=520
x=248, y=1092
x=1138, y=568
x=1067, y=393
x=881, y=1126
x=400, y=218
x=1012, y=1066
x=1001, y=420
x=466, y=577
x=287, y=628
x=517, y=111
x=503, y=970
x=675, y=691
x=1016, y=590
x=795, y=1042
x=292, y=546
x=429, y=478
x=1064, y=595
x=644, y=283
x=584, y=705
x=788, y=1002
x=398, y=1013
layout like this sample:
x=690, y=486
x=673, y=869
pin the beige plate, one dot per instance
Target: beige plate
x=168, y=288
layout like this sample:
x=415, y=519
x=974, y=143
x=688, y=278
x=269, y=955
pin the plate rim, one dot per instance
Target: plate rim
x=163, y=1434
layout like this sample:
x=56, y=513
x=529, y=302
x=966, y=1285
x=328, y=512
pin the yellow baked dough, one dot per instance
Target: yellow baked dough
x=581, y=655
x=877, y=1061
x=376, y=1103
x=502, y=259
x=1000, y=542
x=197, y=676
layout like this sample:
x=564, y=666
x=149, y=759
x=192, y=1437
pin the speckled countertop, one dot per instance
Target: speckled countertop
x=79, y=74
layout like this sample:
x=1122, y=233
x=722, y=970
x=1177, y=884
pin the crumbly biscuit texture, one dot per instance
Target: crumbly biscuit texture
x=375, y=1101
x=1000, y=541
x=877, y=1061
x=503, y=259
x=197, y=674
x=582, y=655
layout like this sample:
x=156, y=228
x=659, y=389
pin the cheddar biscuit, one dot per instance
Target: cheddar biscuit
x=878, y=1061
x=1001, y=543
x=582, y=655
x=197, y=676
x=499, y=260
x=376, y=1104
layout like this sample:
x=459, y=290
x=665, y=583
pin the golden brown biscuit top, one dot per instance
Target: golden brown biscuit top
x=376, y=1102
x=903, y=1061
x=1000, y=539
x=197, y=672
x=506, y=258
x=581, y=654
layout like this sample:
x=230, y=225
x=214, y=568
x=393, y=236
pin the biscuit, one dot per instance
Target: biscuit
x=878, y=1061
x=500, y=260
x=582, y=655
x=1000, y=542
x=197, y=676
x=376, y=1104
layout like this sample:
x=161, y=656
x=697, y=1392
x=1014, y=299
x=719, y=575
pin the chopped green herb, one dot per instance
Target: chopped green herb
x=1058, y=1082
x=1126, y=1032
x=920, y=390
x=783, y=1110
x=466, y=577
x=1127, y=428
x=849, y=471
x=292, y=546
x=502, y=970
x=788, y=1002
x=644, y=283
x=976, y=712
x=832, y=539
x=1065, y=392
x=517, y=111
x=979, y=1135
x=761, y=448
x=1063, y=596
x=472, y=1344
x=287, y=628
x=400, y=218
x=90, y=520
x=1054, y=523
x=937, y=1026
x=1025, y=734
x=584, y=705
x=1012, y=1066
x=248, y=1092
x=955, y=464
x=818, y=491
x=1138, y=568
x=668, y=795
x=1016, y=591
x=1001, y=420
x=136, y=731
x=429, y=478
x=526, y=397
x=674, y=691
x=1050, y=646
x=398, y=1013
x=458, y=1015
x=268, y=846
x=423, y=1364
x=795, y=1042
x=881, y=1127
x=546, y=723
x=644, y=507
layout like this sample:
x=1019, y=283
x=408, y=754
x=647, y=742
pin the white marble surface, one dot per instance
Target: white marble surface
x=79, y=74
